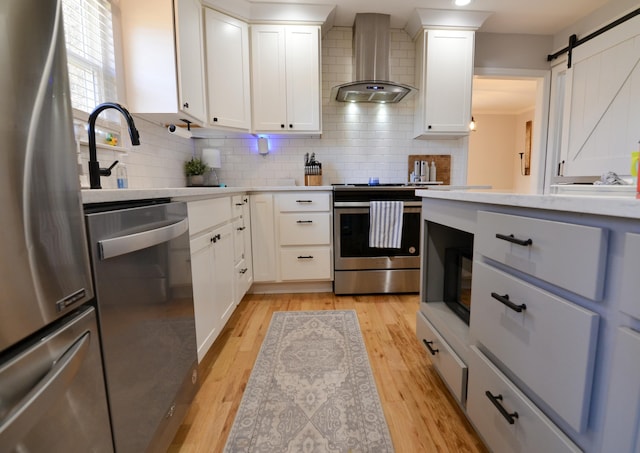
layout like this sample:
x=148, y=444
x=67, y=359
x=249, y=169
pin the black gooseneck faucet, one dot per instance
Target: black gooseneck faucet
x=94, y=166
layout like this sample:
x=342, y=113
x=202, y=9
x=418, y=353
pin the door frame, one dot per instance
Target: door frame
x=540, y=182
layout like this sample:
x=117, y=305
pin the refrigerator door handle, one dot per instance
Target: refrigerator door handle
x=27, y=412
x=109, y=248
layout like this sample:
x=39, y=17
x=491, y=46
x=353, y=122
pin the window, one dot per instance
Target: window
x=91, y=56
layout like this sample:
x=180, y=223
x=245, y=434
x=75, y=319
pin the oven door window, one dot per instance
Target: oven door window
x=354, y=236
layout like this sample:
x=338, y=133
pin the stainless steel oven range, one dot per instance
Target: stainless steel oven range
x=360, y=269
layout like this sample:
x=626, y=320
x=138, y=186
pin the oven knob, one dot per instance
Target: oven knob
x=412, y=250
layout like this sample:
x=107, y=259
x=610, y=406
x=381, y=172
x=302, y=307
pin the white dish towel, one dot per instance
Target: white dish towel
x=385, y=224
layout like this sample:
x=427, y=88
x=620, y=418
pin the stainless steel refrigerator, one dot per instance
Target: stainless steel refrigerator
x=52, y=391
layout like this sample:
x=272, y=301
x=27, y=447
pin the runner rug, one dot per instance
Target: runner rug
x=311, y=390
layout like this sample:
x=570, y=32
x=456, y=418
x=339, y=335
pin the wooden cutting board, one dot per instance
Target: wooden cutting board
x=443, y=166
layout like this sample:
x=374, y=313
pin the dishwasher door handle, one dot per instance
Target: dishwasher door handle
x=122, y=245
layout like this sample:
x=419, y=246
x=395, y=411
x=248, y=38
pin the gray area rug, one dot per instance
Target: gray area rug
x=311, y=390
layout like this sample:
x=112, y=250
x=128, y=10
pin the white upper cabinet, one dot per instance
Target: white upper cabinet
x=444, y=74
x=163, y=64
x=602, y=103
x=227, y=52
x=285, y=76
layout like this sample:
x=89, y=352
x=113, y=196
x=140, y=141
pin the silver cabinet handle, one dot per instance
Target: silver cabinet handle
x=52, y=386
x=122, y=245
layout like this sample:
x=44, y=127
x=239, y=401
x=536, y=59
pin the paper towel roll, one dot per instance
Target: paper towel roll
x=179, y=131
x=211, y=157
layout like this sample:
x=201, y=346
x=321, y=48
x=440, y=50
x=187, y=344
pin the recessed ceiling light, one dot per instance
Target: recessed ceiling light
x=461, y=2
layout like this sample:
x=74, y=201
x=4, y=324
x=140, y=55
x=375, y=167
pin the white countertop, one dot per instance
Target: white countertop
x=183, y=193
x=626, y=205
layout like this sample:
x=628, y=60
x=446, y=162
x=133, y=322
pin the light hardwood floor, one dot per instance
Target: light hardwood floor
x=422, y=415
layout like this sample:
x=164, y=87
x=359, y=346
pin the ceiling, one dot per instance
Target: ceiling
x=503, y=96
x=539, y=17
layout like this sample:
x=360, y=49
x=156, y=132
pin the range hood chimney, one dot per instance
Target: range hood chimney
x=371, y=64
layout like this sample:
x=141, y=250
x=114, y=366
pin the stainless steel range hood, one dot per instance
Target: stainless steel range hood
x=371, y=64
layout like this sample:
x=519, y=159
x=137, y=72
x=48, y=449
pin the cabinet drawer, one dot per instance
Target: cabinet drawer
x=205, y=214
x=303, y=201
x=630, y=294
x=305, y=263
x=305, y=229
x=530, y=432
x=451, y=368
x=564, y=254
x=549, y=345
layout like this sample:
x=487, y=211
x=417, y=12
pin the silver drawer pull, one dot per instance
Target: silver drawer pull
x=304, y=221
x=428, y=345
x=511, y=238
x=308, y=257
x=505, y=300
x=511, y=418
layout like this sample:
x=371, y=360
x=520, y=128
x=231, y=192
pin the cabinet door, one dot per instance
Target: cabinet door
x=248, y=255
x=268, y=78
x=623, y=413
x=227, y=47
x=203, y=293
x=446, y=82
x=223, y=274
x=263, y=238
x=630, y=292
x=190, y=58
x=303, y=78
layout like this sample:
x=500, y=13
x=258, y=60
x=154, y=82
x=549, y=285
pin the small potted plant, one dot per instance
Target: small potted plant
x=195, y=169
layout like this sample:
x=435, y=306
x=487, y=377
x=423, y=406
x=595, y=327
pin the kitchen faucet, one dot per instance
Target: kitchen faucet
x=94, y=166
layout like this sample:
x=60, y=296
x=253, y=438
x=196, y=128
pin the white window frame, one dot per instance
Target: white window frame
x=106, y=123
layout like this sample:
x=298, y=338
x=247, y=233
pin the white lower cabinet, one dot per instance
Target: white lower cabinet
x=505, y=418
x=291, y=237
x=212, y=275
x=215, y=260
x=450, y=367
x=263, y=238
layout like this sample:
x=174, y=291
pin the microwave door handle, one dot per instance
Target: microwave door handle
x=36, y=402
x=110, y=248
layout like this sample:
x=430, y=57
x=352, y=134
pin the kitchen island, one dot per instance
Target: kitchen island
x=549, y=360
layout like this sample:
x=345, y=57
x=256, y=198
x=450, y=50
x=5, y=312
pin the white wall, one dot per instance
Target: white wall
x=492, y=151
x=358, y=140
x=602, y=16
x=502, y=50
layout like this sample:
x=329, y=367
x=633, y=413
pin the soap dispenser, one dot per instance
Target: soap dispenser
x=432, y=172
x=121, y=175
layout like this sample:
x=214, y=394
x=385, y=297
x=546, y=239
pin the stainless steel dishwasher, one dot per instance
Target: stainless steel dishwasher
x=139, y=255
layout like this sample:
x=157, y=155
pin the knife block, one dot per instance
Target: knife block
x=312, y=180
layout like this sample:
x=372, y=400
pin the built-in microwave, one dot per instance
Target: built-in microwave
x=458, y=267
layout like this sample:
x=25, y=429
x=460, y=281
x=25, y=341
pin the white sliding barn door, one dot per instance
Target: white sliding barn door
x=602, y=104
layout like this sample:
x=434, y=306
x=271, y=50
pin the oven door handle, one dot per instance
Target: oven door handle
x=365, y=204
x=122, y=245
